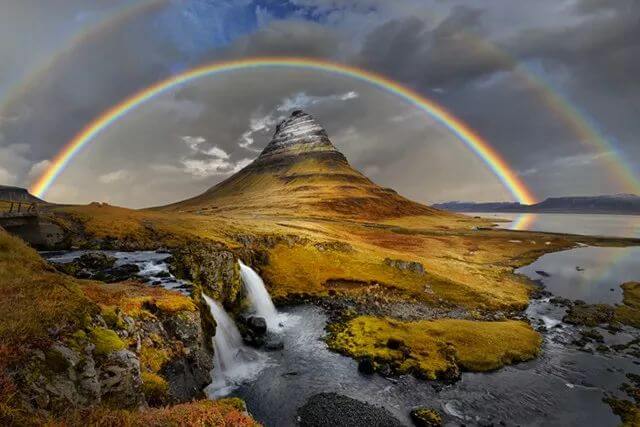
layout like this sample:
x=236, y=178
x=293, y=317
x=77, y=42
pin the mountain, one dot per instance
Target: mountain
x=17, y=194
x=301, y=172
x=617, y=204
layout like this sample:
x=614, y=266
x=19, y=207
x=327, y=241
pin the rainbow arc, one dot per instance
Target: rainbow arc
x=463, y=132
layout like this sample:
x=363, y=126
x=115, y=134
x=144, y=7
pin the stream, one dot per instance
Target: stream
x=562, y=387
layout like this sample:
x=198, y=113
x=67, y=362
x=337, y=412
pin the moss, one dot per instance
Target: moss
x=112, y=316
x=155, y=388
x=628, y=411
x=629, y=312
x=174, y=303
x=426, y=417
x=106, y=341
x=153, y=359
x=437, y=348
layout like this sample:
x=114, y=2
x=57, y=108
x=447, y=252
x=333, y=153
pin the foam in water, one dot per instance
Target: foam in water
x=259, y=297
x=234, y=363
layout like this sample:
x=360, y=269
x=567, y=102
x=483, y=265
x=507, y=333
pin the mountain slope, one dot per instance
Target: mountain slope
x=300, y=172
x=17, y=194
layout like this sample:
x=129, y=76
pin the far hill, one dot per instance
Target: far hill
x=16, y=194
x=300, y=171
x=616, y=204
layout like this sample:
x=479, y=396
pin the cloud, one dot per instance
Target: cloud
x=258, y=124
x=115, y=176
x=213, y=167
x=7, y=178
x=301, y=100
x=205, y=161
x=197, y=144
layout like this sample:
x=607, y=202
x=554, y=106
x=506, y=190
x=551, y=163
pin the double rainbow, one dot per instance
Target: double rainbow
x=472, y=140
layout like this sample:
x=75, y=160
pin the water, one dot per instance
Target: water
x=591, y=274
x=586, y=224
x=259, y=297
x=234, y=363
x=154, y=267
x=563, y=387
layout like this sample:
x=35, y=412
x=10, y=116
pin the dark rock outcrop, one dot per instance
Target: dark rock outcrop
x=412, y=266
x=331, y=409
x=214, y=270
x=99, y=266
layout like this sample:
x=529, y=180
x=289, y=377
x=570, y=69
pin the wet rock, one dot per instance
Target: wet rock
x=117, y=274
x=565, y=302
x=426, y=417
x=257, y=325
x=589, y=315
x=592, y=334
x=331, y=409
x=274, y=344
x=543, y=273
x=96, y=261
x=366, y=366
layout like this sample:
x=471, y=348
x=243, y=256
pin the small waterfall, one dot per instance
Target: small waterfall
x=259, y=297
x=234, y=363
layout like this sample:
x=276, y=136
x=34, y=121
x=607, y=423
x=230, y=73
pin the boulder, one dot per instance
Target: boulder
x=366, y=366
x=257, y=325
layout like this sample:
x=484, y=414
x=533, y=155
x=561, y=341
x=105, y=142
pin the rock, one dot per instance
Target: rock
x=332, y=409
x=96, y=261
x=543, y=273
x=274, y=344
x=592, y=334
x=366, y=366
x=216, y=271
x=120, y=382
x=589, y=315
x=333, y=246
x=412, y=266
x=257, y=325
x=426, y=417
x=117, y=274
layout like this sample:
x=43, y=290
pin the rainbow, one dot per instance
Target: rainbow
x=479, y=146
x=584, y=128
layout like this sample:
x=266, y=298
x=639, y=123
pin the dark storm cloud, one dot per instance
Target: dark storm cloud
x=450, y=53
x=454, y=53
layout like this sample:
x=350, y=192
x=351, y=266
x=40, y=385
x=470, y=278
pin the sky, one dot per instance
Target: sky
x=63, y=62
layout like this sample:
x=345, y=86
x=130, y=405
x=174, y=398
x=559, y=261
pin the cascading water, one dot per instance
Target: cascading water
x=234, y=363
x=259, y=297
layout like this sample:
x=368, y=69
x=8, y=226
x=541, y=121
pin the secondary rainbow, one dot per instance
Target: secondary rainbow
x=472, y=140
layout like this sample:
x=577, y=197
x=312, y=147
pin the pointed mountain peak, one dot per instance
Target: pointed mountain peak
x=299, y=134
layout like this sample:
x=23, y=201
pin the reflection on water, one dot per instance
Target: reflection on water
x=594, y=225
x=591, y=274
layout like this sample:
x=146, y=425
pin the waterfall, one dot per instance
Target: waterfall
x=233, y=362
x=259, y=297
